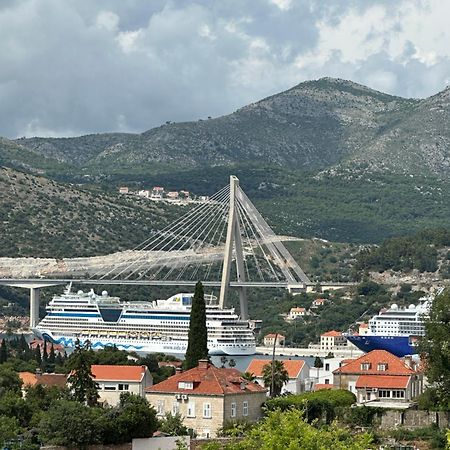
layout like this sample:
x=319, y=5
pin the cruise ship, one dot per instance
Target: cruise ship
x=148, y=327
x=395, y=329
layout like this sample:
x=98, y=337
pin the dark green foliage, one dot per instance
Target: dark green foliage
x=37, y=355
x=72, y=424
x=9, y=428
x=318, y=362
x=275, y=376
x=320, y=405
x=9, y=380
x=436, y=346
x=360, y=416
x=80, y=379
x=433, y=434
x=3, y=352
x=132, y=418
x=198, y=337
x=172, y=424
x=406, y=253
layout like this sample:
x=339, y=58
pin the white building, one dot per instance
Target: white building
x=332, y=340
x=297, y=370
x=114, y=380
x=297, y=312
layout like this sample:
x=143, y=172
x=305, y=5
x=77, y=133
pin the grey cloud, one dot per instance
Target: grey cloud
x=62, y=74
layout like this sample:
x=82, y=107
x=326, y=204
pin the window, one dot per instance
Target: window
x=123, y=387
x=327, y=381
x=382, y=366
x=382, y=393
x=175, y=408
x=366, y=366
x=327, y=366
x=233, y=410
x=191, y=409
x=185, y=385
x=398, y=394
x=110, y=387
x=245, y=408
x=160, y=408
x=207, y=410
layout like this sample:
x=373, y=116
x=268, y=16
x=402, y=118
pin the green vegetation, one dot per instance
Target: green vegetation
x=275, y=376
x=320, y=405
x=281, y=430
x=198, y=336
x=436, y=346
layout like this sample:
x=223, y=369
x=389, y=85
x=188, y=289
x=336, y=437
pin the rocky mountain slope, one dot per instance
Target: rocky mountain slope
x=315, y=125
x=39, y=217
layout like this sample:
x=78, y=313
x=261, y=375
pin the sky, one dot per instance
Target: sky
x=72, y=67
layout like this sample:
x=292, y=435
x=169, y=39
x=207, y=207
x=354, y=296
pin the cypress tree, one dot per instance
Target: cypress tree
x=3, y=352
x=37, y=355
x=198, y=335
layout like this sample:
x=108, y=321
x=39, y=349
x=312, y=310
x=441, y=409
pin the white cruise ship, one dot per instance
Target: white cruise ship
x=158, y=326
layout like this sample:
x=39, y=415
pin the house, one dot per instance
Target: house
x=297, y=312
x=30, y=379
x=173, y=195
x=363, y=328
x=113, y=380
x=269, y=339
x=332, y=340
x=318, y=302
x=297, y=370
x=144, y=193
x=207, y=397
x=123, y=190
x=381, y=379
x=157, y=192
x=323, y=375
x=185, y=194
x=57, y=348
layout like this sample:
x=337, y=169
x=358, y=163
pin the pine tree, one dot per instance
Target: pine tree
x=3, y=352
x=198, y=335
x=81, y=380
x=44, y=357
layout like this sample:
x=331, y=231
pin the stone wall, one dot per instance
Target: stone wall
x=126, y=446
x=411, y=419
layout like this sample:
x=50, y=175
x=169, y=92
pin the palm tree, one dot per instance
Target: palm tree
x=276, y=378
x=249, y=376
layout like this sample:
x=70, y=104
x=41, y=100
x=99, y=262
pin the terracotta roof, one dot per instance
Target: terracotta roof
x=364, y=325
x=383, y=381
x=332, y=333
x=293, y=366
x=321, y=387
x=46, y=379
x=207, y=380
x=395, y=366
x=118, y=373
x=170, y=364
x=272, y=335
x=298, y=309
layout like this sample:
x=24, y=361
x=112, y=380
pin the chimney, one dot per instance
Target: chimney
x=178, y=370
x=203, y=364
x=38, y=372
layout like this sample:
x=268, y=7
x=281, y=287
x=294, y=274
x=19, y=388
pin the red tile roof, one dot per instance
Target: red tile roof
x=293, y=366
x=118, y=373
x=272, y=335
x=46, y=379
x=321, y=387
x=383, y=381
x=332, y=333
x=207, y=380
x=395, y=366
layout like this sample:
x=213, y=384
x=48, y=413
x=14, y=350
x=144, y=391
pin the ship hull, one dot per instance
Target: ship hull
x=397, y=345
x=145, y=345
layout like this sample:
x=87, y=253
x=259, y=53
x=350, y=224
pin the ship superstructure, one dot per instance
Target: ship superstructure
x=157, y=326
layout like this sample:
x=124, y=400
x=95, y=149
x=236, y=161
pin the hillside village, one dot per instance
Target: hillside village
x=160, y=194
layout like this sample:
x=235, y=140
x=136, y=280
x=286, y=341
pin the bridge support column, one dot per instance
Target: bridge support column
x=34, y=306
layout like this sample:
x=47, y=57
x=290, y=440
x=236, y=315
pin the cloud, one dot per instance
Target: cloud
x=78, y=66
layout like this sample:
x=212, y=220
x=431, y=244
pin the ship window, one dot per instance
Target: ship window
x=110, y=314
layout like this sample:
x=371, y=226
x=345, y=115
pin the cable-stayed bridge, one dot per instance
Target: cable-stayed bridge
x=223, y=241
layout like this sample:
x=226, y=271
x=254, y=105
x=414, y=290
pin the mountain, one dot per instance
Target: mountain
x=328, y=158
x=40, y=217
x=314, y=125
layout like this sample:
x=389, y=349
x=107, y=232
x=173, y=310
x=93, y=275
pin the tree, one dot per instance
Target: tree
x=248, y=376
x=81, y=380
x=436, y=346
x=288, y=430
x=198, y=335
x=3, y=352
x=9, y=381
x=71, y=424
x=9, y=428
x=37, y=355
x=276, y=378
x=172, y=424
